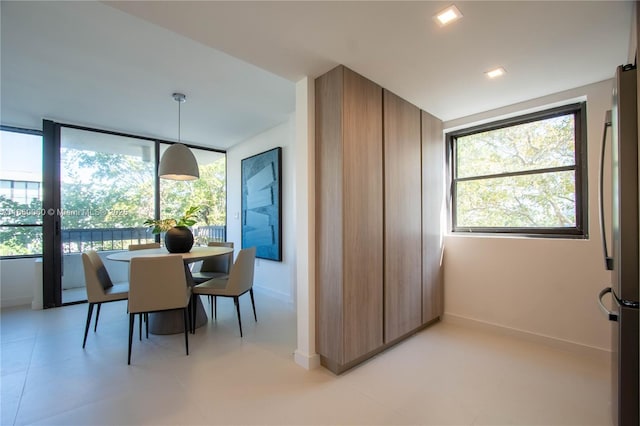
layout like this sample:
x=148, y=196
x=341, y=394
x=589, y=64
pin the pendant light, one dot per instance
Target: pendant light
x=178, y=162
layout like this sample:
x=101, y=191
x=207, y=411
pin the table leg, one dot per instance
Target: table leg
x=171, y=322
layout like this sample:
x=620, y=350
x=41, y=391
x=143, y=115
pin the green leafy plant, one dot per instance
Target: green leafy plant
x=163, y=225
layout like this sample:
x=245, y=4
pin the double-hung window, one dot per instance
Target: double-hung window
x=524, y=175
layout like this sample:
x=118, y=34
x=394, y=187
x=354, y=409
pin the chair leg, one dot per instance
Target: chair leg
x=131, y=319
x=86, y=327
x=95, y=326
x=192, y=316
x=140, y=321
x=192, y=312
x=237, y=303
x=186, y=334
x=215, y=308
x=253, y=303
x=146, y=320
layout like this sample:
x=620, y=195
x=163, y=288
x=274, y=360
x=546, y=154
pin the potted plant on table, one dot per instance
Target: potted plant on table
x=178, y=238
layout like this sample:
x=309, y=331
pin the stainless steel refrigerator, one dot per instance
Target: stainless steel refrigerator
x=623, y=259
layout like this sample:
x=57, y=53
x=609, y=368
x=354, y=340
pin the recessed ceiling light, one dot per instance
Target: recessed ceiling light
x=496, y=72
x=447, y=16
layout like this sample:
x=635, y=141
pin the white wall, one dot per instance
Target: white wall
x=276, y=277
x=543, y=286
x=21, y=282
x=305, y=354
x=17, y=281
x=17, y=276
x=633, y=36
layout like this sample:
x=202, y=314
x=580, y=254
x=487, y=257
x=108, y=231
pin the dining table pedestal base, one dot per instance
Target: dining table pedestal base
x=172, y=322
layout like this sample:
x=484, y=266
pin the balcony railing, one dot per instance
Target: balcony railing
x=100, y=239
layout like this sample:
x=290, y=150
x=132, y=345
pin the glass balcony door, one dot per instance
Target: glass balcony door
x=98, y=189
x=106, y=192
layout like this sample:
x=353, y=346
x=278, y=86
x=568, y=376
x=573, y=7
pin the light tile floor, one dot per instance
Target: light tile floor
x=444, y=375
x=71, y=295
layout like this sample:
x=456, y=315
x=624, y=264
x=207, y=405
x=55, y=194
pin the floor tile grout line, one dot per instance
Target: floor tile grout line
x=26, y=376
x=260, y=346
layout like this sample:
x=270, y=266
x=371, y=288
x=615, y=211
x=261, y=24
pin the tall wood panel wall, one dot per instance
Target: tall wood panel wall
x=378, y=190
x=402, y=218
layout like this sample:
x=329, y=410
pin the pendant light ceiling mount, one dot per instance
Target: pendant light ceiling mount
x=179, y=97
x=178, y=162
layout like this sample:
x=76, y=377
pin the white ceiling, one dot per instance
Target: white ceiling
x=116, y=67
x=90, y=64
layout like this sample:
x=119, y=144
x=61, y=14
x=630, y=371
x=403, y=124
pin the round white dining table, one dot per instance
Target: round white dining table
x=171, y=322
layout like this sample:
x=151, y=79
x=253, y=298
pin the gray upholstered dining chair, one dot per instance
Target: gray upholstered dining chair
x=100, y=289
x=158, y=283
x=143, y=246
x=215, y=267
x=239, y=282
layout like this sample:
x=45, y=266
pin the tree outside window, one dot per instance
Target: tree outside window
x=522, y=175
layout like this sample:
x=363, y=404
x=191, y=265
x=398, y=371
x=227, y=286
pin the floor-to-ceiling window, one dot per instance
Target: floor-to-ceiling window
x=106, y=192
x=108, y=186
x=20, y=192
x=208, y=193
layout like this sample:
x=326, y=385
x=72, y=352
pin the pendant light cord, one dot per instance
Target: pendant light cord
x=180, y=98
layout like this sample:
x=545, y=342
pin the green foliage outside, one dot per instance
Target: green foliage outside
x=545, y=199
x=104, y=190
x=208, y=193
x=22, y=240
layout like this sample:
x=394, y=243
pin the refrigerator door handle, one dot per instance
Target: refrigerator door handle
x=610, y=315
x=608, y=260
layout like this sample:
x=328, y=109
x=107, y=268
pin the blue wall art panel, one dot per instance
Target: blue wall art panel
x=261, y=213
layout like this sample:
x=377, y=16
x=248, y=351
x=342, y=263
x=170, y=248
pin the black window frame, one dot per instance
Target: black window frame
x=52, y=251
x=581, y=229
x=24, y=225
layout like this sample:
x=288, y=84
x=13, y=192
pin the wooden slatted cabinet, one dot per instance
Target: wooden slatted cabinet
x=349, y=227
x=403, y=218
x=379, y=198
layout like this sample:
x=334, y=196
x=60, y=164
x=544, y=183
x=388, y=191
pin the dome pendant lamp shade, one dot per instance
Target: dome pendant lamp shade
x=178, y=162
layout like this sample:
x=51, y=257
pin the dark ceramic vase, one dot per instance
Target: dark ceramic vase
x=178, y=239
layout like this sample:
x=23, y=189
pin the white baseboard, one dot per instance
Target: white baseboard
x=308, y=362
x=284, y=297
x=16, y=301
x=565, y=345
